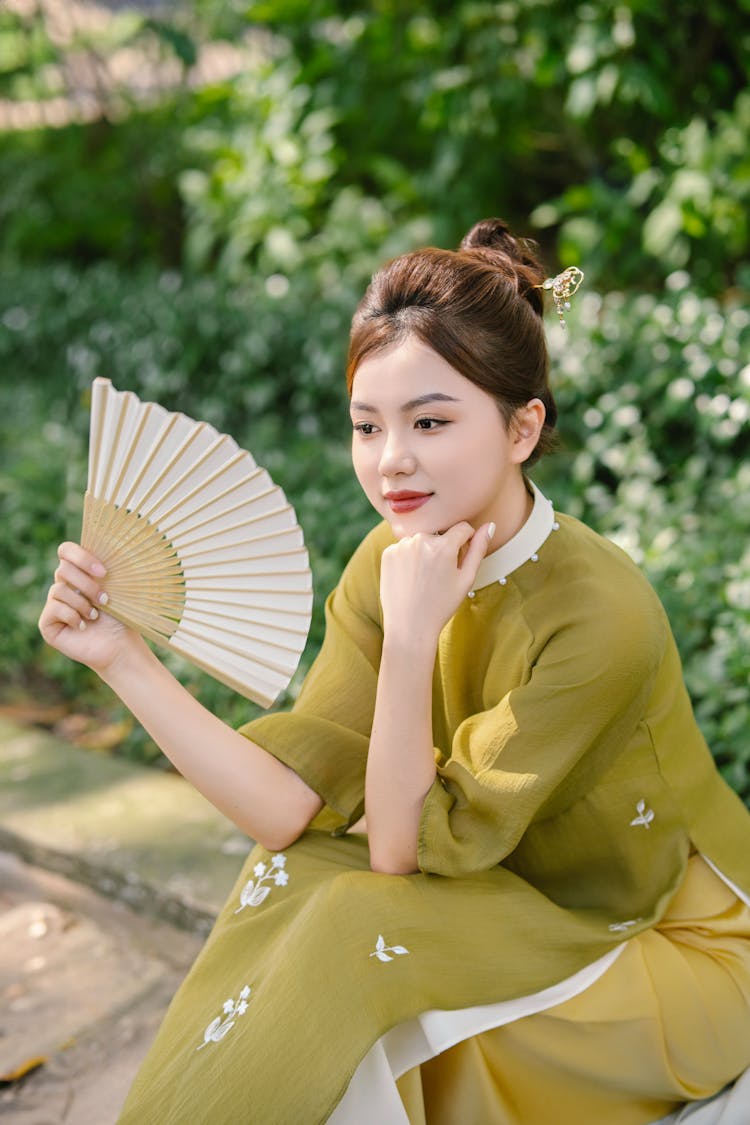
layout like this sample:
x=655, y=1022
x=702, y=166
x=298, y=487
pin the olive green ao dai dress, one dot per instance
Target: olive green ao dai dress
x=562, y=838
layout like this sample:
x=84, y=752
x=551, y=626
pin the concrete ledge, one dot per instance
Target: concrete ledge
x=132, y=833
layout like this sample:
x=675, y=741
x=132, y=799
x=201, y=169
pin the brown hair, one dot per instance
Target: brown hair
x=479, y=307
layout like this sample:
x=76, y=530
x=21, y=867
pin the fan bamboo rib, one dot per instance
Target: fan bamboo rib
x=203, y=552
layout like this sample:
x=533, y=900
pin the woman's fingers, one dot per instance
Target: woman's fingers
x=57, y=615
x=77, y=555
x=457, y=535
x=63, y=607
x=71, y=596
x=81, y=572
x=464, y=547
x=80, y=584
x=476, y=550
x=71, y=619
x=75, y=597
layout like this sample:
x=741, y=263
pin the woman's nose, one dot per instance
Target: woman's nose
x=396, y=457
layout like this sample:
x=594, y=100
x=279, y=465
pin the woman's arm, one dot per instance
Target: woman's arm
x=422, y=584
x=263, y=797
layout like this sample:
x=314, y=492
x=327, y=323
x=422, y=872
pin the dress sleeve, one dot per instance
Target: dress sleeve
x=325, y=737
x=548, y=740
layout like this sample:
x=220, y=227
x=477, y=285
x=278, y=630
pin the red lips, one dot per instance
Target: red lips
x=406, y=500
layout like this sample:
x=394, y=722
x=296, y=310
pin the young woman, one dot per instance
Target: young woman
x=498, y=876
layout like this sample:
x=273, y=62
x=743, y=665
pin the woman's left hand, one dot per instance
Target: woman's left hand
x=424, y=578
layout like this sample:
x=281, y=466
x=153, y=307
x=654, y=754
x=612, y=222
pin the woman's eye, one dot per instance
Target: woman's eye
x=365, y=428
x=429, y=423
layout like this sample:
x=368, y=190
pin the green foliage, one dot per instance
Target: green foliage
x=654, y=396
x=266, y=197
x=623, y=130
x=503, y=108
x=101, y=190
x=688, y=209
x=25, y=52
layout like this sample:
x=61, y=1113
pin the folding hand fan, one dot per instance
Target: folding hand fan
x=203, y=552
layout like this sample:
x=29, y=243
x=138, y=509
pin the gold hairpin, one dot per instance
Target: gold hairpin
x=563, y=286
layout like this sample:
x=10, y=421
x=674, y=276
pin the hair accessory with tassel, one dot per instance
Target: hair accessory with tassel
x=563, y=286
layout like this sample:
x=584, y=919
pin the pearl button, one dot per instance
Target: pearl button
x=472, y=594
x=502, y=581
x=555, y=526
x=535, y=558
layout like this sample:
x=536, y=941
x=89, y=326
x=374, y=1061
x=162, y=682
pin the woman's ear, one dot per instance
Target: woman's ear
x=526, y=426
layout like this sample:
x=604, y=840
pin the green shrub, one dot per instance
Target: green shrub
x=688, y=208
x=266, y=368
x=654, y=396
x=622, y=130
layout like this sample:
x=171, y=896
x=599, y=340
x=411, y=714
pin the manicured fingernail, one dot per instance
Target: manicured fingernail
x=491, y=530
x=81, y=625
x=98, y=570
x=103, y=598
x=93, y=614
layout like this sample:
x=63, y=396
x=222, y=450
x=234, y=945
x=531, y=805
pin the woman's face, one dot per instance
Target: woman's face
x=430, y=448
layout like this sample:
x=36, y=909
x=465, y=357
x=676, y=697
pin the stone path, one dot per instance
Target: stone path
x=110, y=876
x=84, y=983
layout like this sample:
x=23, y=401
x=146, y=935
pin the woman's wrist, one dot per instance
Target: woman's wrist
x=410, y=644
x=133, y=660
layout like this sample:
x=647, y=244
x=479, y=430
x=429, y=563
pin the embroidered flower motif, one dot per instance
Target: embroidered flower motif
x=254, y=893
x=645, y=816
x=383, y=951
x=623, y=927
x=218, y=1028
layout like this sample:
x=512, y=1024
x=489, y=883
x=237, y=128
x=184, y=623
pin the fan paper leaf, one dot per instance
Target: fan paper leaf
x=202, y=550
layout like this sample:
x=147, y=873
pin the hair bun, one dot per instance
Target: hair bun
x=490, y=232
x=515, y=257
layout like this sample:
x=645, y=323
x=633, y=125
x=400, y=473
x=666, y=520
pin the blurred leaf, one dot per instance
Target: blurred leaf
x=173, y=37
x=19, y=1072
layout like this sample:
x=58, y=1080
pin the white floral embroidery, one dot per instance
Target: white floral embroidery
x=645, y=816
x=623, y=927
x=383, y=951
x=254, y=893
x=219, y=1027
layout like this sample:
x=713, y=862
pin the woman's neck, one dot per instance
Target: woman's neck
x=513, y=510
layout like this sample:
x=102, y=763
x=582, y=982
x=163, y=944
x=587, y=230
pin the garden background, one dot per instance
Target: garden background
x=193, y=197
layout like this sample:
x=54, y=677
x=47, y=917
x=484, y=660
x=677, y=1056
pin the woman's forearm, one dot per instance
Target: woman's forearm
x=261, y=795
x=423, y=580
x=401, y=760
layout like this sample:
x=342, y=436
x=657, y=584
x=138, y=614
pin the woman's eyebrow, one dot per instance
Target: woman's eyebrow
x=436, y=396
x=412, y=404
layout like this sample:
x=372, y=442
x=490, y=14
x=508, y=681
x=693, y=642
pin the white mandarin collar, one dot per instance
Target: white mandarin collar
x=523, y=547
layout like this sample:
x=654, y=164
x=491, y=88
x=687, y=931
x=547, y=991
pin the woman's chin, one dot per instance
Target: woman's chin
x=402, y=527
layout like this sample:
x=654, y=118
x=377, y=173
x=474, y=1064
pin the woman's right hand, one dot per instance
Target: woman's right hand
x=73, y=620
x=264, y=797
